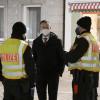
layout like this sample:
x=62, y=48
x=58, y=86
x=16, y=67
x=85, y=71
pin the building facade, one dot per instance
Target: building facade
x=74, y=9
x=31, y=12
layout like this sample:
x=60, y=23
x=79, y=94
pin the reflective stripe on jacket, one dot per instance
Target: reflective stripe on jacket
x=90, y=60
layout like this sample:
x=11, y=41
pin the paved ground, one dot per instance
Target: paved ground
x=64, y=87
x=65, y=92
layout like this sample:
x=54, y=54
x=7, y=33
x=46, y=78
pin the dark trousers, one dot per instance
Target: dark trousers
x=94, y=94
x=52, y=84
x=32, y=94
x=16, y=90
x=86, y=86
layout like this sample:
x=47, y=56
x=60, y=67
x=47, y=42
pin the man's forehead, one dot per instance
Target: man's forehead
x=45, y=24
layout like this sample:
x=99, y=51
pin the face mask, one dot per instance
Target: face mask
x=45, y=32
x=77, y=31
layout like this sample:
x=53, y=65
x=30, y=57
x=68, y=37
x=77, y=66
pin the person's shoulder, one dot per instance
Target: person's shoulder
x=27, y=49
x=53, y=35
x=37, y=39
x=83, y=41
x=56, y=38
x=82, y=38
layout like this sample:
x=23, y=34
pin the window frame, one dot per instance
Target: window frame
x=25, y=16
x=2, y=38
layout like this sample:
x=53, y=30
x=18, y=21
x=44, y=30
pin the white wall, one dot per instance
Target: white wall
x=68, y=21
x=52, y=10
x=83, y=0
x=67, y=28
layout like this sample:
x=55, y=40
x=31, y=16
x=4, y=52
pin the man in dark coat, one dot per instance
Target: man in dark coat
x=49, y=58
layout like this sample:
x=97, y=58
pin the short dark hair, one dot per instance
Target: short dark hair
x=44, y=21
x=19, y=28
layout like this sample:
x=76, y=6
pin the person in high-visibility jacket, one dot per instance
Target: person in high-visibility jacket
x=83, y=62
x=16, y=65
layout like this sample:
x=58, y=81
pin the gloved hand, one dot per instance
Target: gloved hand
x=60, y=75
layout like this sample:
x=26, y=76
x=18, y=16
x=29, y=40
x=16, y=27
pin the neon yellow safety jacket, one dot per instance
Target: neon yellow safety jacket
x=11, y=54
x=90, y=60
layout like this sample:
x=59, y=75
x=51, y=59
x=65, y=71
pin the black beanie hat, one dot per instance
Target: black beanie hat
x=19, y=28
x=85, y=22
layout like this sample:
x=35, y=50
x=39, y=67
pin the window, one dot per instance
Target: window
x=32, y=15
x=1, y=22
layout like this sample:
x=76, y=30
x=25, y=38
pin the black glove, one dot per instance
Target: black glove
x=61, y=70
x=60, y=74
